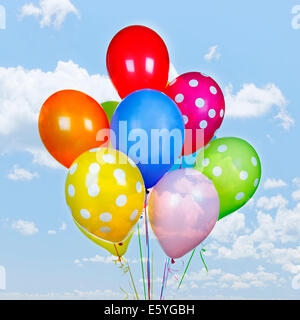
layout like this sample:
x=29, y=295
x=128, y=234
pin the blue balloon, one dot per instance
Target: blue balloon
x=149, y=129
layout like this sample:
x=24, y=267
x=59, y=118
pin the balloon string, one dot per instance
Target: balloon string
x=152, y=276
x=131, y=277
x=117, y=253
x=163, y=282
x=187, y=266
x=148, y=250
x=168, y=270
x=203, y=259
x=181, y=157
x=141, y=256
x=127, y=295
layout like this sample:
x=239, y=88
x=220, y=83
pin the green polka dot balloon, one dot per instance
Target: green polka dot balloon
x=234, y=167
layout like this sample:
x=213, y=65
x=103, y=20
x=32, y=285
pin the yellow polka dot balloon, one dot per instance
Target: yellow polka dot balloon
x=105, y=192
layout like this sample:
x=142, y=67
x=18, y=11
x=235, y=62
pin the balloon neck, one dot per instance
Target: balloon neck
x=172, y=261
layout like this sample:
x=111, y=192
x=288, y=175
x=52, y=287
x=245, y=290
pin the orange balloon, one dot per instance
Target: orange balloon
x=69, y=122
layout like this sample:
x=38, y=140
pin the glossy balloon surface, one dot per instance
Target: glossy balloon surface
x=68, y=124
x=201, y=102
x=183, y=209
x=234, y=167
x=137, y=58
x=116, y=249
x=149, y=128
x=105, y=192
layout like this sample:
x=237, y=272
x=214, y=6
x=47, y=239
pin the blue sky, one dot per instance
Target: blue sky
x=250, y=48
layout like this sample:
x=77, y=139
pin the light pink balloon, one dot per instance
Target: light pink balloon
x=183, y=209
x=202, y=105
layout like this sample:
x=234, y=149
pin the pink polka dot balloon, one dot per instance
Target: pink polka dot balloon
x=202, y=105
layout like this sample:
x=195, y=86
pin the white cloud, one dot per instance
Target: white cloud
x=249, y=279
x=63, y=227
x=243, y=247
x=172, y=73
x=22, y=94
x=218, y=278
x=26, y=228
x=96, y=258
x=43, y=158
x=21, y=174
x=104, y=259
x=251, y=102
x=229, y=227
x=296, y=195
x=50, y=12
x=296, y=181
x=106, y=294
x=271, y=203
x=274, y=183
x=212, y=53
x=273, y=239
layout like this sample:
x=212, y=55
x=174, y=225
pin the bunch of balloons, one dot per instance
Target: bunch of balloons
x=116, y=152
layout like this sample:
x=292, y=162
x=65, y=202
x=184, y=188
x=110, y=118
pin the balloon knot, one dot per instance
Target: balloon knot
x=120, y=244
x=172, y=261
x=147, y=191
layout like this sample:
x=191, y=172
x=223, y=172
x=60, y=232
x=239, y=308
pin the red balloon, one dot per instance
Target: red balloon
x=137, y=58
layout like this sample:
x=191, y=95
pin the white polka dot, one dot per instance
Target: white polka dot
x=90, y=179
x=172, y=82
x=254, y=161
x=105, y=217
x=94, y=168
x=134, y=214
x=222, y=113
x=199, y=103
x=213, y=90
x=105, y=229
x=120, y=176
x=73, y=168
x=205, y=162
x=121, y=200
x=240, y=196
x=108, y=158
x=217, y=171
x=193, y=83
x=85, y=214
x=131, y=162
x=179, y=98
x=222, y=148
x=138, y=187
x=211, y=113
x=244, y=175
x=93, y=190
x=71, y=190
x=185, y=119
x=203, y=124
x=256, y=182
